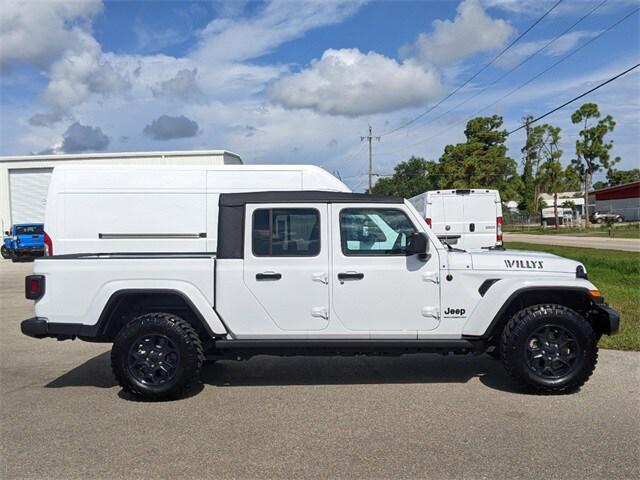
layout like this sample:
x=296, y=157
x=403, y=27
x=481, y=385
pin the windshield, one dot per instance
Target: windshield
x=30, y=230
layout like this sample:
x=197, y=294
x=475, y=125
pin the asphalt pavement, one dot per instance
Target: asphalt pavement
x=601, y=243
x=421, y=416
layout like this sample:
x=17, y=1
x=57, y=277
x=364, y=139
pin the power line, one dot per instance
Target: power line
x=510, y=71
x=612, y=79
x=460, y=87
x=535, y=77
x=600, y=85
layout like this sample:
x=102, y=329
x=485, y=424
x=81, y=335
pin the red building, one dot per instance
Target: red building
x=621, y=199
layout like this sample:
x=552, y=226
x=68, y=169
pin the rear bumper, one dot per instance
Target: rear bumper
x=38, y=327
x=608, y=319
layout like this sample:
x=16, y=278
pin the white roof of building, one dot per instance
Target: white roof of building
x=96, y=156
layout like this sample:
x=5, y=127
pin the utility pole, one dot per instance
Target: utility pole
x=370, y=137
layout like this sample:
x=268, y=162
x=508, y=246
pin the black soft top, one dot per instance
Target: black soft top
x=302, y=196
x=232, y=212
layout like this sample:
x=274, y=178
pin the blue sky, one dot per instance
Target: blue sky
x=298, y=82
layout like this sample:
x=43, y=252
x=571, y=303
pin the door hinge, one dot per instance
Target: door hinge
x=431, y=277
x=431, y=312
x=320, y=277
x=320, y=312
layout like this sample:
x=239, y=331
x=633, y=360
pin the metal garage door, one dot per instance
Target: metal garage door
x=28, y=189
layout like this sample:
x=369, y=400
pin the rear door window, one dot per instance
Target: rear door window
x=286, y=232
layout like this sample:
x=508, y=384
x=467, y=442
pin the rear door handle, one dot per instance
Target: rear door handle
x=268, y=276
x=350, y=276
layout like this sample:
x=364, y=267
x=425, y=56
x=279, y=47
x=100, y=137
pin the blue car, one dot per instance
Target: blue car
x=25, y=240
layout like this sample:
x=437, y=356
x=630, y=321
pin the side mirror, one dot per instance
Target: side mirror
x=418, y=244
x=7, y=233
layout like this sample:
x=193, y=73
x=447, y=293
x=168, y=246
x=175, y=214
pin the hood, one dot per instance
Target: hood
x=523, y=260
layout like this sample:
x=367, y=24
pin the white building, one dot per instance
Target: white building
x=24, y=180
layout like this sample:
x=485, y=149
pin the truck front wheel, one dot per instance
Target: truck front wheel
x=157, y=356
x=549, y=349
x=5, y=252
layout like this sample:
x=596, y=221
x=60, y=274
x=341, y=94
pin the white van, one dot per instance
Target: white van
x=467, y=219
x=155, y=208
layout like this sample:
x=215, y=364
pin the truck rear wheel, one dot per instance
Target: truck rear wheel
x=157, y=356
x=549, y=349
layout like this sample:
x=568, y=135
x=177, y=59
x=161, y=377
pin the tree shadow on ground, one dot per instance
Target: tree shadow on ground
x=279, y=371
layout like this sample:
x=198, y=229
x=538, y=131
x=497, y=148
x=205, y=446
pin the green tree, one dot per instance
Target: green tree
x=529, y=165
x=619, y=177
x=410, y=178
x=592, y=151
x=552, y=175
x=481, y=161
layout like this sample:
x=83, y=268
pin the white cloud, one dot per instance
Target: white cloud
x=44, y=119
x=80, y=72
x=182, y=85
x=560, y=46
x=471, y=31
x=54, y=37
x=349, y=82
x=37, y=33
x=155, y=40
x=236, y=40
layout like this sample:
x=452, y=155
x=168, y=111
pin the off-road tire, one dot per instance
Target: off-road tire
x=182, y=337
x=4, y=251
x=517, y=333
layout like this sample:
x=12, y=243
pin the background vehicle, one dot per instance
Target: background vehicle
x=310, y=272
x=467, y=219
x=155, y=208
x=565, y=216
x=25, y=240
x=601, y=217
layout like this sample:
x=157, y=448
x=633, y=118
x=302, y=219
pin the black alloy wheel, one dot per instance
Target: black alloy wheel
x=153, y=359
x=552, y=352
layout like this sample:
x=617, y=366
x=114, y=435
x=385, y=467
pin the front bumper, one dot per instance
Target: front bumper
x=608, y=320
x=38, y=327
x=30, y=251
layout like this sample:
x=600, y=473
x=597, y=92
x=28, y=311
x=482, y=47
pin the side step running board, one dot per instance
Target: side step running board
x=338, y=346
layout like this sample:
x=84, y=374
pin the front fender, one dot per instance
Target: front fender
x=498, y=297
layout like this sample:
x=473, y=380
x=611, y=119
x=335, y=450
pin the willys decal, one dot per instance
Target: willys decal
x=530, y=264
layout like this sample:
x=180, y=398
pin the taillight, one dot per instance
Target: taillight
x=428, y=220
x=34, y=287
x=499, y=230
x=48, y=245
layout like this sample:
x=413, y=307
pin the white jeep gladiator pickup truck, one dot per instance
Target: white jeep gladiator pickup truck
x=320, y=273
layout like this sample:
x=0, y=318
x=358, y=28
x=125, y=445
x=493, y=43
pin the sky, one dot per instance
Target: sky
x=301, y=81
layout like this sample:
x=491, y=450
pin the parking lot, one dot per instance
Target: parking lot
x=63, y=416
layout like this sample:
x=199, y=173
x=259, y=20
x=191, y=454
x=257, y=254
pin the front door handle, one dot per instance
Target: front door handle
x=268, y=276
x=350, y=276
